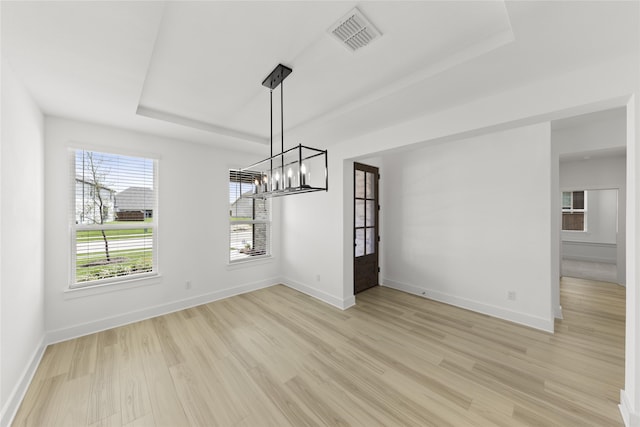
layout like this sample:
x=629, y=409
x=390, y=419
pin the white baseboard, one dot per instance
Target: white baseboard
x=587, y=258
x=342, y=304
x=535, y=322
x=558, y=312
x=17, y=394
x=630, y=418
x=149, y=312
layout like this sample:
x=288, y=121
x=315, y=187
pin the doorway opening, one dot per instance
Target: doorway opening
x=589, y=234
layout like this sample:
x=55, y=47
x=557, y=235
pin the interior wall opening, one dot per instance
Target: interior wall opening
x=589, y=233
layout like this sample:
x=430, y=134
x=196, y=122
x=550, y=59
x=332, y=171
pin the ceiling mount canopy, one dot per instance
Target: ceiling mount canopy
x=299, y=169
x=276, y=77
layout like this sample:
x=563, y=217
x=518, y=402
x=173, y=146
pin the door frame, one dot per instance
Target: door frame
x=376, y=171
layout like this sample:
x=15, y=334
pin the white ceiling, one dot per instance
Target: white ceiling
x=193, y=70
x=619, y=114
x=615, y=115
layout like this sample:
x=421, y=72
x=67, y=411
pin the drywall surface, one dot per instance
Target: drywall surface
x=330, y=219
x=22, y=244
x=599, y=136
x=193, y=232
x=465, y=219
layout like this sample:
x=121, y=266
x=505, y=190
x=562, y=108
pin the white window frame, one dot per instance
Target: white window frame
x=267, y=222
x=74, y=227
x=571, y=210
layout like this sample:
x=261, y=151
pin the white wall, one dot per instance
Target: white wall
x=22, y=244
x=313, y=255
x=326, y=221
x=465, y=219
x=602, y=220
x=570, y=94
x=597, y=243
x=603, y=135
x=193, y=233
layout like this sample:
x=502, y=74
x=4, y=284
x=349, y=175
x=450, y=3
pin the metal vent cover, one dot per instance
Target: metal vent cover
x=354, y=31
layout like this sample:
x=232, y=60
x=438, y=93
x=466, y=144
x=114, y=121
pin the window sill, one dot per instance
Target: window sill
x=120, y=285
x=249, y=262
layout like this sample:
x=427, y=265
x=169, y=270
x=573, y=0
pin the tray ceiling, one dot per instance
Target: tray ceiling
x=193, y=70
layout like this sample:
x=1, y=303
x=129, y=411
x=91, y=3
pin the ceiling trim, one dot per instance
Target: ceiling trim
x=483, y=47
x=197, y=124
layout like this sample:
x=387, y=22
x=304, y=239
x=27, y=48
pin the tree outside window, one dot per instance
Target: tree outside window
x=113, y=225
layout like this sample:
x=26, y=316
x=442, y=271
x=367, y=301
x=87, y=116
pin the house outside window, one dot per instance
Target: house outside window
x=114, y=229
x=249, y=220
x=574, y=213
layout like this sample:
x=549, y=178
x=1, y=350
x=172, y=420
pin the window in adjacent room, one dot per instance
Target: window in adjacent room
x=249, y=219
x=114, y=218
x=574, y=214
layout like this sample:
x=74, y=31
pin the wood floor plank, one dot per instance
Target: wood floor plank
x=277, y=357
x=73, y=402
x=83, y=359
x=56, y=360
x=163, y=395
x=193, y=396
x=282, y=399
x=134, y=393
x=170, y=349
x=104, y=391
x=46, y=407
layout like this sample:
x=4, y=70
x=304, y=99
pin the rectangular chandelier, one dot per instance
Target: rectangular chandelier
x=299, y=169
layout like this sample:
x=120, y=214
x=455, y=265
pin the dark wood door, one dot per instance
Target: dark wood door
x=365, y=227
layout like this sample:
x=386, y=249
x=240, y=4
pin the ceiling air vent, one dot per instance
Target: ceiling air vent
x=354, y=31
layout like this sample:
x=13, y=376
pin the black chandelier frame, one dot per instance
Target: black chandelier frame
x=288, y=172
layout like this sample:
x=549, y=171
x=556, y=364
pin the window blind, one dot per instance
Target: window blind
x=249, y=219
x=114, y=217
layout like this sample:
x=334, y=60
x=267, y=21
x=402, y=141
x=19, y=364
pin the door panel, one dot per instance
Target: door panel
x=365, y=227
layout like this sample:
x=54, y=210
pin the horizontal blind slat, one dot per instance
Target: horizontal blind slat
x=249, y=218
x=114, y=211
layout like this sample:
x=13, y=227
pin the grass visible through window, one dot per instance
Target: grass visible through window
x=130, y=252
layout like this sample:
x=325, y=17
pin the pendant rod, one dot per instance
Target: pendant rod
x=270, y=178
x=282, y=126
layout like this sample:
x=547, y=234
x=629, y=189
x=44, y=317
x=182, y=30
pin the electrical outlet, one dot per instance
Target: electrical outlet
x=317, y=277
x=511, y=295
x=187, y=284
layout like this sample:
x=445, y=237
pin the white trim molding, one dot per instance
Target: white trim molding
x=558, y=312
x=149, y=312
x=10, y=408
x=630, y=418
x=591, y=251
x=342, y=304
x=535, y=322
x=76, y=331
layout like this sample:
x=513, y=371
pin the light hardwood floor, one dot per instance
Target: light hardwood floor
x=276, y=357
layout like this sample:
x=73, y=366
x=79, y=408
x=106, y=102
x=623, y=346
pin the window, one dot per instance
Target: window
x=114, y=222
x=249, y=219
x=573, y=211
